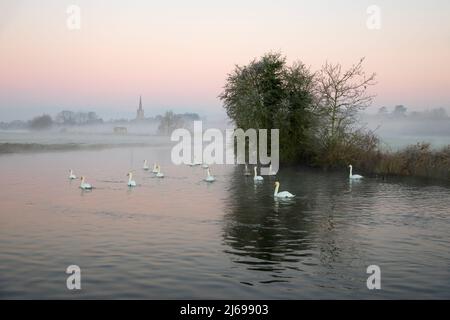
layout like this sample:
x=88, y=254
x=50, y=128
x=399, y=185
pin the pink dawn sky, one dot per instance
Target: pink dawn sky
x=177, y=53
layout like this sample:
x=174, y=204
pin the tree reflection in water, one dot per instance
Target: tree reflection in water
x=285, y=236
x=264, y=233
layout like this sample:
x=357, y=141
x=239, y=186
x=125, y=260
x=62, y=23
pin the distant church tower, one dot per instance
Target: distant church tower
x=140, y=111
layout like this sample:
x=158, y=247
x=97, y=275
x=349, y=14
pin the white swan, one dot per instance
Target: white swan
x=282, y=194
x=131, y=182
x=209, y=177
x=159, y=174
x=145, y=167
x=353, y=176
x=246, y=171
x=256, y=177
x=85, y=185
x=155, y=168
x=71, y=175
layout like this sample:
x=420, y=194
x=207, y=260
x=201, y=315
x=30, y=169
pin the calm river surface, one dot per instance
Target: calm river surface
x=179, y=237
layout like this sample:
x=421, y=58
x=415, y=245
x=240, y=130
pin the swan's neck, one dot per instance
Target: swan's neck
x=209, y=173
x=270, y=168
x=71, y=172
x=276, y=189
x=351, y=170
x=255, y=171
x=130, y=176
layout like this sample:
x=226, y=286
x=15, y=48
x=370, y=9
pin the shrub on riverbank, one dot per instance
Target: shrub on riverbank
x=418, y=160
x=360, y=148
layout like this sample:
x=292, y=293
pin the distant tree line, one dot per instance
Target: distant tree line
x=37, y=123
x=14, y=125
x=45, y=121
x=401, y=112
x=166, y=122
x=70, y=118
x=171, y=121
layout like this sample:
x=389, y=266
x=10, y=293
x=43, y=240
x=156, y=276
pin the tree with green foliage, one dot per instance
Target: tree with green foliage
x=269, y=94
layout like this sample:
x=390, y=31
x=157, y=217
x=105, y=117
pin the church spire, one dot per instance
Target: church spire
x=140, y=110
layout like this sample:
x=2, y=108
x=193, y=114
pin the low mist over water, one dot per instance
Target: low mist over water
x=399, y=129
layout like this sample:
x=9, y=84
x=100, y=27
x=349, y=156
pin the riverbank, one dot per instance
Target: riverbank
x=419, y=160
x=8, y=148
x=46, y=141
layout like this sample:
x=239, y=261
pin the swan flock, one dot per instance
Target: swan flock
x=209, y=178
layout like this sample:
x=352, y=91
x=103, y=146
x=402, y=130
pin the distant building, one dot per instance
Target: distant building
x=140, y=111
x=120, y=130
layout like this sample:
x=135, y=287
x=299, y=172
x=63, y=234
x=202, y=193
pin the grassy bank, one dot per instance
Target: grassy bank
x=418, y=160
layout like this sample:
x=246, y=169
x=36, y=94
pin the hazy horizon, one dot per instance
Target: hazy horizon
x=177, y=55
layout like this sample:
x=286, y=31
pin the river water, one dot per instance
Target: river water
x=179, y=237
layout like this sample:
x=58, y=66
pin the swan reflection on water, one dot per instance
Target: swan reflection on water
x=282, y=203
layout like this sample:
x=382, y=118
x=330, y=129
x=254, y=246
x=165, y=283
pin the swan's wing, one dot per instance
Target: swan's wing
x=285, y=194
